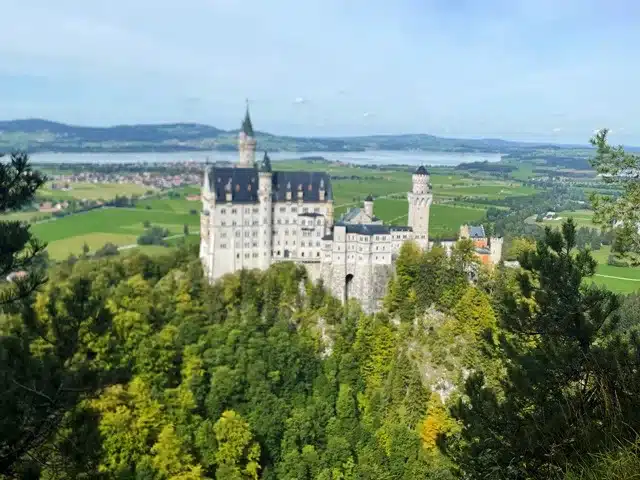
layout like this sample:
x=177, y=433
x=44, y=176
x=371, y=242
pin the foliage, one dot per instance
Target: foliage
x=153, y=236
x=568, y=374
x=622, y=169
x=20, y=251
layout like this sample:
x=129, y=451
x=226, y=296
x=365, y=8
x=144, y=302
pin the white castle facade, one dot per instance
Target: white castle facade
x=252, y=217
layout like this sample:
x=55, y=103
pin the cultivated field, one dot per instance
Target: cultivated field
x=120, y=226
x=92, y=191
x=618, y=279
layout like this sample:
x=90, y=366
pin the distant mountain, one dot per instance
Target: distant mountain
x=37, y=135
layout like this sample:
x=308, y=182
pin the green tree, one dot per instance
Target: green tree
x=20, y=250
x=620, y=168
x=185, y=230
x=238, y=455
x=567, y=375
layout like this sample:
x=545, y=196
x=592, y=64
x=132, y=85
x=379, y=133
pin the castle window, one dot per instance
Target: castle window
x=247, y=210
x=237, y=187
x=248, y=188
x=234, y=223
x=223, y=211
x=255, y=210
x=223, y=245
x=317, y=210
x=234, y=210
x=282, y=209
x=318, y=254
x=246, y=255
x=309, y=187
x=223, y=235
x=223, y=223
x=302, y=254
x=237, y=233
x=237, y=255
x=294, y=209
x=305, y=210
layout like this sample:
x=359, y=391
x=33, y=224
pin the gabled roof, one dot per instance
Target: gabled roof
x=476, y=231
x=421, y=170
x=243, y=185
x=352, y=213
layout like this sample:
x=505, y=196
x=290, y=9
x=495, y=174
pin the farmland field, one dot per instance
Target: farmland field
x=582, y=218
x=93, y=191
x=618, y=279
x=120, y=226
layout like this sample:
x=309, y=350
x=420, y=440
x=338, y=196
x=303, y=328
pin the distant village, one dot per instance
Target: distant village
x=158, y=180
x=147, y=179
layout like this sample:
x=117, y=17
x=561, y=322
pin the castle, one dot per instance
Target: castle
x=253, y=217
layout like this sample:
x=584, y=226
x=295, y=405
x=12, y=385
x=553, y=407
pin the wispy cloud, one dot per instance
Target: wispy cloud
x=484, y=67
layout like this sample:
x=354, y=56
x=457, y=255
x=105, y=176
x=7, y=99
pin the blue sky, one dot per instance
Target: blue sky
x=551, y=70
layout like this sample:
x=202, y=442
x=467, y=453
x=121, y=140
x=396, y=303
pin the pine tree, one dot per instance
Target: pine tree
x=19, y=250
x=571, y=385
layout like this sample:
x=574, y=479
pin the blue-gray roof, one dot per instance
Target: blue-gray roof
x=373, y=229
x=476, y=231
x=353, y=213
x=243, y=184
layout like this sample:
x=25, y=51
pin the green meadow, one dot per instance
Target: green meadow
x=120, y=226
x=93, y=191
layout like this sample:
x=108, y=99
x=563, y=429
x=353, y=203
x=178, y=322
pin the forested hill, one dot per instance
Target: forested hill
x=43, y=135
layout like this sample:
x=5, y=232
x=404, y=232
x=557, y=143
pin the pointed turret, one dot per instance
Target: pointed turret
x=247, y=142
x=266, y=164
x=247, y=127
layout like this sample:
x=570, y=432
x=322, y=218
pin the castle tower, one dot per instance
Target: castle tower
x=206, y=222
x=266, y=213
x=495, y=249
x=247, y=142
x=368, y=206
x=420, y=199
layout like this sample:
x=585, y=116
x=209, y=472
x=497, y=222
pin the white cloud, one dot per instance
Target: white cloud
x=367, y=114
x=300, y=100
x=557, y=129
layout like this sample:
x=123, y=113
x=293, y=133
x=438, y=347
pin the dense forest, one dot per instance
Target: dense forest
x=134, y=367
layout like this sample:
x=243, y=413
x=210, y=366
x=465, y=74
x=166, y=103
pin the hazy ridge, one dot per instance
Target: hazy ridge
x=37, y=135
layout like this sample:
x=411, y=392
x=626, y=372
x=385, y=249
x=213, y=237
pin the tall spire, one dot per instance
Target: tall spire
x=247, y=127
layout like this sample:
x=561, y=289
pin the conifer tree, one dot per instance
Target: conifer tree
x=567, y=375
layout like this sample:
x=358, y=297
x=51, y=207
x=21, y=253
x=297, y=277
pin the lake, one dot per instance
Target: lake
x=379, y=157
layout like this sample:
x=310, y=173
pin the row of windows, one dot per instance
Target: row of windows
x=302, y=222
x=223, y=211
x=249, y=210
